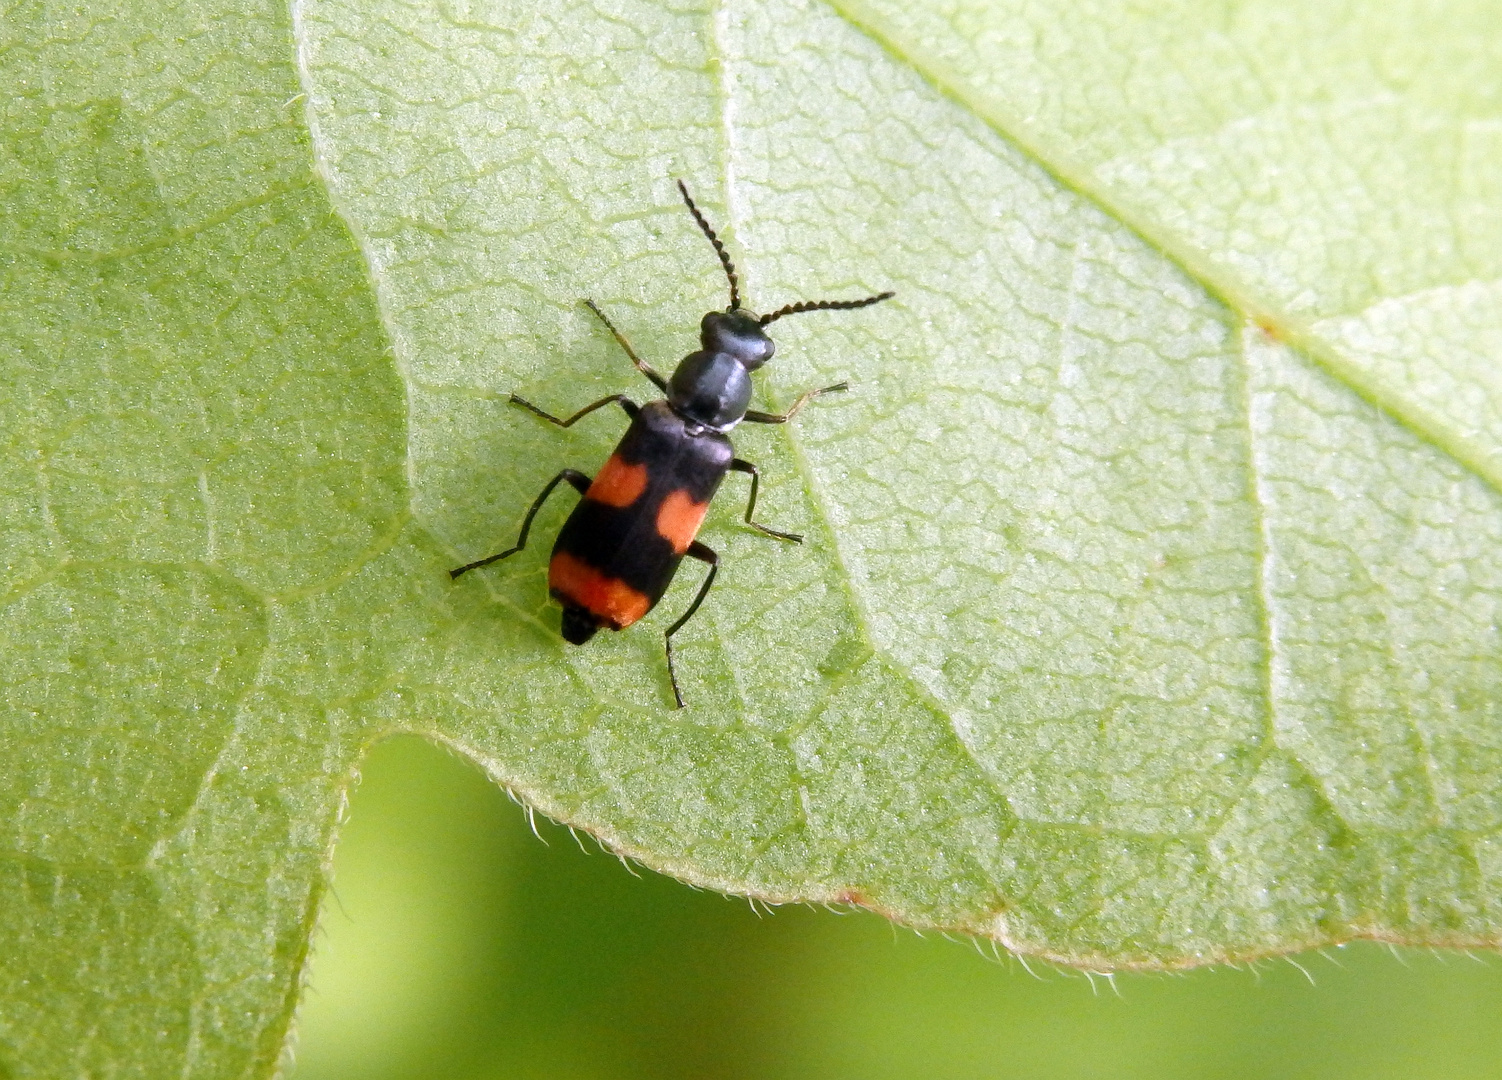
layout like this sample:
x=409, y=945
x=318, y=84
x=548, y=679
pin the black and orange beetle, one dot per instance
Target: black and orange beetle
x=619, y=549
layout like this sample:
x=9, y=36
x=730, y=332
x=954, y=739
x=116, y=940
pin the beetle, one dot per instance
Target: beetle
x=639, y=516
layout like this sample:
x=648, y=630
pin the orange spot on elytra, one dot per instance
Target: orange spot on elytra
x=618, y=484
x=610, y=598
x=678, y=519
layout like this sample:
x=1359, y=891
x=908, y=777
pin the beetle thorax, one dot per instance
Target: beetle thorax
x=712, y=387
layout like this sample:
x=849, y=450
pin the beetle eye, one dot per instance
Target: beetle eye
x=751, y=351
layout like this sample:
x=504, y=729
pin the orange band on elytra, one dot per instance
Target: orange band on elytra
x=678, y=519
x=608, y=597
x=618, y=484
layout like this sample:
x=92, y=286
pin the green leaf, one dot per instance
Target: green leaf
x=1328, y=170
x=1129, y=631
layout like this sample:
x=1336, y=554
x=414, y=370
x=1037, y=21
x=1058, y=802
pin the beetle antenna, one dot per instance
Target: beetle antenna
x=735, y=289
x=824, y=305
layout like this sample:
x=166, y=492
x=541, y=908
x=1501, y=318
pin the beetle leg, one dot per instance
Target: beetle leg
x=641, y=365
x=782, y=418
x=703, y=553
x=740, y=465
x=573, y=476
x=626, y=403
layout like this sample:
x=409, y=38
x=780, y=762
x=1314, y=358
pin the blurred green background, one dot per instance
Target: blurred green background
x=456, y=945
